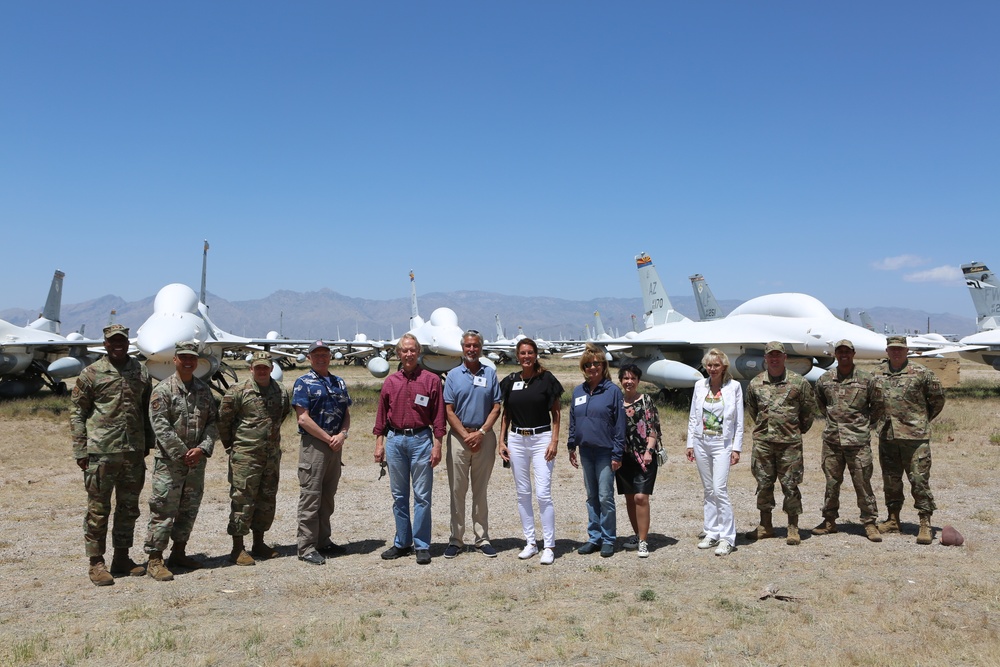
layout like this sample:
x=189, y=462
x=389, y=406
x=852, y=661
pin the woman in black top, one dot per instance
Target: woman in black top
x=530, y=429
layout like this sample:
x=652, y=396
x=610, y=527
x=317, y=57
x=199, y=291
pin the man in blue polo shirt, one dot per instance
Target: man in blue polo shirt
x=472, y=406
x=322, y=406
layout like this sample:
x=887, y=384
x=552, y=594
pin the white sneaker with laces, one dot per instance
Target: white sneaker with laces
x=643, y=549
x=547, y=557
x=725, y=548
x=528, y=551
x=707, y=543
x=631, y=544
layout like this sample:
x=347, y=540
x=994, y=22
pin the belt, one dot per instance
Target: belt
x=472, y=427
x=408, y=431
x=517, y=430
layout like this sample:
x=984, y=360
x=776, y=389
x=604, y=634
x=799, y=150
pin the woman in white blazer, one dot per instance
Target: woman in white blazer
x=714, y=441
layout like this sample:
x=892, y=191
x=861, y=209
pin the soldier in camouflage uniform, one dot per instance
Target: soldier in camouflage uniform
x=782, y=406
x=183, y=413
x=250, y=429
x=911, y=397
x=111, y=436
x=849, y=399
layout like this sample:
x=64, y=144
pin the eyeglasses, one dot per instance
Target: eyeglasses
x=591, y=364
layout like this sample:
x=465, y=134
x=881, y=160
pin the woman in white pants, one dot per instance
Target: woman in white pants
x=714, y=441
x=530, y=434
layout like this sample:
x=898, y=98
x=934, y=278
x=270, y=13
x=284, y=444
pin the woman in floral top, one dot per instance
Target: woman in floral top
x=637, y=475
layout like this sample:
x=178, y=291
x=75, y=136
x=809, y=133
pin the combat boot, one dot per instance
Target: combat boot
x=764, y=530
x=180, y=559
x=99, y=574
x=260, y=550
x=793, y=538
x=890, y=525
x=826, y=528
x=122, y=564
x=239, y=554
x=871, y=532
x=156, y=569
x=925, y=535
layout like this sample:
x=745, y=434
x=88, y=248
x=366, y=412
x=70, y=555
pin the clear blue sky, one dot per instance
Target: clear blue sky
x=848, y=150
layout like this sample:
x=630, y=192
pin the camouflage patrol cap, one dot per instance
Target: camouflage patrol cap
x=115, y=330
x=261, y=359
x=186, y=347
x=317, y=345
x=895, y=341
x=774, y=346
x=843, y=342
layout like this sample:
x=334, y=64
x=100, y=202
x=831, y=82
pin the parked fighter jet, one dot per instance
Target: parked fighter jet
x=502, y=349
x=440, y=340
x=708, y=307
x=178, y=315
x=984, y=346
x=669, y=351
x=37, y=355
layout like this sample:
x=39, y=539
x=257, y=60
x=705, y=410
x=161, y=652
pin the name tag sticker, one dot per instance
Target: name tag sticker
x=479, y=381
x=580, y=400
x=421, y=400
x=519, y=385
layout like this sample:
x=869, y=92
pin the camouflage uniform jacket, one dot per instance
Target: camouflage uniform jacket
x=251, y=415
x=182, y=419
x=111, y=410
x=850, y=404
x=782, y=410
x=911, y=398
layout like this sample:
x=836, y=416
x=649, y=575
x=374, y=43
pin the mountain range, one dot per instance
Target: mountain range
x=329, y=314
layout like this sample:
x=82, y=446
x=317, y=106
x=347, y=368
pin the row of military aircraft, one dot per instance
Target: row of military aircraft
x=668, y=348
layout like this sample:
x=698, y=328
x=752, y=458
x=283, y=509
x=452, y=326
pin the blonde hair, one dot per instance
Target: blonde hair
x=407, y=336
x=594, y=353
x=721, y=357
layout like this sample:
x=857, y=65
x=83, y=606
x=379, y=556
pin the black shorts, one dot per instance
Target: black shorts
x=631, y=478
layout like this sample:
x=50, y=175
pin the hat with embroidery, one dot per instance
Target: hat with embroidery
x=317, y=345
x=843, y=342
x=186, y=347
x=115, y=330
x=895, y=341
x=774, y=346
x=261, y=359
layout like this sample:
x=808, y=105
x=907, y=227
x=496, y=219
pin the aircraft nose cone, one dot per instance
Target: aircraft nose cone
x=158, y=336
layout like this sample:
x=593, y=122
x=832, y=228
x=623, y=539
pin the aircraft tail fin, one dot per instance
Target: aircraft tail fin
x=204, y=271
x=500, y=335
x=984, y=287
x=847, y=315
x=635, y=324
x=415, y=319
x=599, y=331
x=655, y=302
x=50, y=318
x=708, y=307
x=866, y=320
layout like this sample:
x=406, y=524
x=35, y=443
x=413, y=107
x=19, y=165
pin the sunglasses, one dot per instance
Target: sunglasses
x=591, y=364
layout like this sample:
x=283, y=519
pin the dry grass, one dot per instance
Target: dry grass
x=859, y=603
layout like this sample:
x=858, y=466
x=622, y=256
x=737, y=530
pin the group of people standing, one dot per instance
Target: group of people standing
x=614, y=435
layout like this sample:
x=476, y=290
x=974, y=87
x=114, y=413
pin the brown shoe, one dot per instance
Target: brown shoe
x=263, y=552
x=871, y=532
x=764, y=530
x=793, y=538
x=99, y=574
x=157, y=570
x=925, y=535
x=178, y=558
x=122, y=564
x=241, y=557
x=890, y=525
x=826, y=528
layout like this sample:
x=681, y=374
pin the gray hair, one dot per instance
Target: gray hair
x=407, y=336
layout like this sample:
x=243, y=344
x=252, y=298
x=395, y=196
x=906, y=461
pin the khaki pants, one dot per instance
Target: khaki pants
x=465, y=466
x=319, y=475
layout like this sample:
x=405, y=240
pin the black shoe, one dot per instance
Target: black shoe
x=330, y=550
x=451, y=551
x=487, y=550
x=588, y=548
x=394, y=552
x=423, y=557
x=313, y=558
x=607, y=550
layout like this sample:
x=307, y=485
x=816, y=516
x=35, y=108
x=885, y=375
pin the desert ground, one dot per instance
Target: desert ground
x=848, y=601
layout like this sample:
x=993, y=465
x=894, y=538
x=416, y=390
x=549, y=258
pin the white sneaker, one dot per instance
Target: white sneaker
x=631, y=544
x=643, y=549
x=528, y=551
x=725, y=548
x=547, y=557
x=707, y=543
